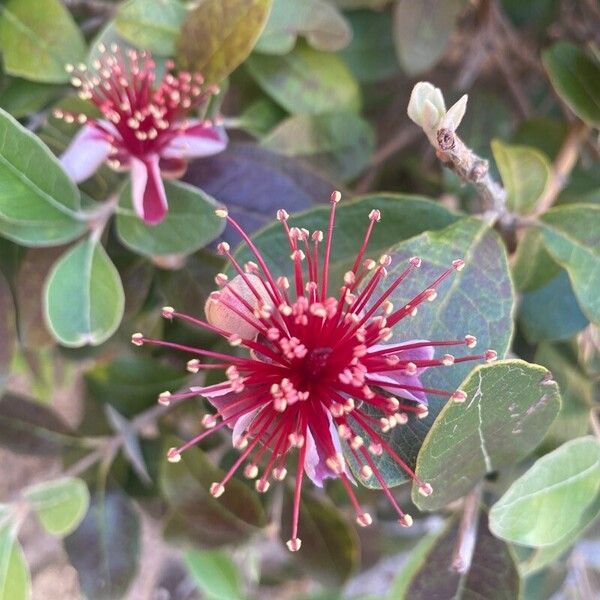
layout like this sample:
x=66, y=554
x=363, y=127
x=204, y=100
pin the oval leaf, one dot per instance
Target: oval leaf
x=84, y=298
x=38, y=39
x=39, y=205
x=339, y=143
x=151, y=24
x=218, y=35
x=15, y=580
x=306, y=81
x=576, y=78
x=525, y=173
x=509, y=408
x=319, y=22
x=105, y=548
x=557, y=489
x=215, y=574
x=190, y=224
x=60, y=505
x=572, y=235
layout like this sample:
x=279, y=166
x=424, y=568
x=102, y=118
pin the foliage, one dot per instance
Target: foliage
x=313, y=95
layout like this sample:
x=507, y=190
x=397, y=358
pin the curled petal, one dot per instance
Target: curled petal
x=147, y=189
x=199, y=139
x=87, y=151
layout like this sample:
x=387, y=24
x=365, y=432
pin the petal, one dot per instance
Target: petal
x=172, y=168
x=199, y=139
x=241, y=425
x=412, y=354
x=395, y=377
x=87, y=151
x=147, y=189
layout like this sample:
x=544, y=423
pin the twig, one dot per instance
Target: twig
x=473, y=169
x=563, y=165
x=462, y=555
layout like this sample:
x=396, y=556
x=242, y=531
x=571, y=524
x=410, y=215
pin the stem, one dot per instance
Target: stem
x=462, y=554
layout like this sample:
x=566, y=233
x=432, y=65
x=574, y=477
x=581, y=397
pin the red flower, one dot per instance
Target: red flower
x=315, y=363
x=144, y=129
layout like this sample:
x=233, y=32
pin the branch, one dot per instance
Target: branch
x=473, y=169
x=462, y=555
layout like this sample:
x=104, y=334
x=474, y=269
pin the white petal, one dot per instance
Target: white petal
x=87, y=151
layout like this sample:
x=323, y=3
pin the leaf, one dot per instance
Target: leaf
x=215, y=574
x=20, y=97
x=39, y=205
x=525, y=173
x=492, y=575
x=339, y=143
x=84, y=300
x=370, y=55
x=253, y=183
x=15, y=580
x=190, y=224
x=557, y=489
x=330, y=550
x=403, y=216
x=38, y=38
x=533, y=266
x=260, y=117
x=576, y=78
x=551, y=312
x=27, y=427
x=572, y=235
x=60, y=505
x=477, y=301
x=131, y=383
x=218, y=35
x=319, y=22
x=306, y=81
x=510, y=406
x=8, y=331
x=151, y=24
x=422, y=30
x=545, y=555
x=105, y=547
x=197, y=516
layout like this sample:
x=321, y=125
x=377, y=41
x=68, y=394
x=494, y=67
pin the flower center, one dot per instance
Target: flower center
x=315, y=361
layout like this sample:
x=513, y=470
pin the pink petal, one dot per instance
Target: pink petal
x=87, y=151
x=147, y=189
x=199, y=139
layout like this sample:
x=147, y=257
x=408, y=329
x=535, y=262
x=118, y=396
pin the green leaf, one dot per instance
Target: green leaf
x=105, y=547
x=525, y=173
x=151, y=24
x=306, y=81
x=215, y=574
x=60, y=505
x=510, y=406
x=83, y=300
x=370, y=55
x=190, y=224
x=533, y=266
x=477, y=301
x=576, y=78
x=20, y=97
x=8, y=330
x=422, y=30
x=218, y=35
x=131, y=383
x=38, y=39
x=492, y=573
x=319, y=22
x=551, y=312
x=572, y=235
x=403, y=216
x=557, y=489
x=339, y=143
x=15, y=580
x=39, y=204
x=261, y=117
x=545, y=555
x=330, y=545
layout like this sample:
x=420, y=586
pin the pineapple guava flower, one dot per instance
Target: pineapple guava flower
x=317, y=366
x=144, y=128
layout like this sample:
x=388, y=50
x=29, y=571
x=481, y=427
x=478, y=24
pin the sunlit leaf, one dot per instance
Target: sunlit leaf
x=215, y=574
x=15, y=580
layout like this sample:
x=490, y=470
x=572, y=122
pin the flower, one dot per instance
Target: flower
x=317, y=366
x=144, y=128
